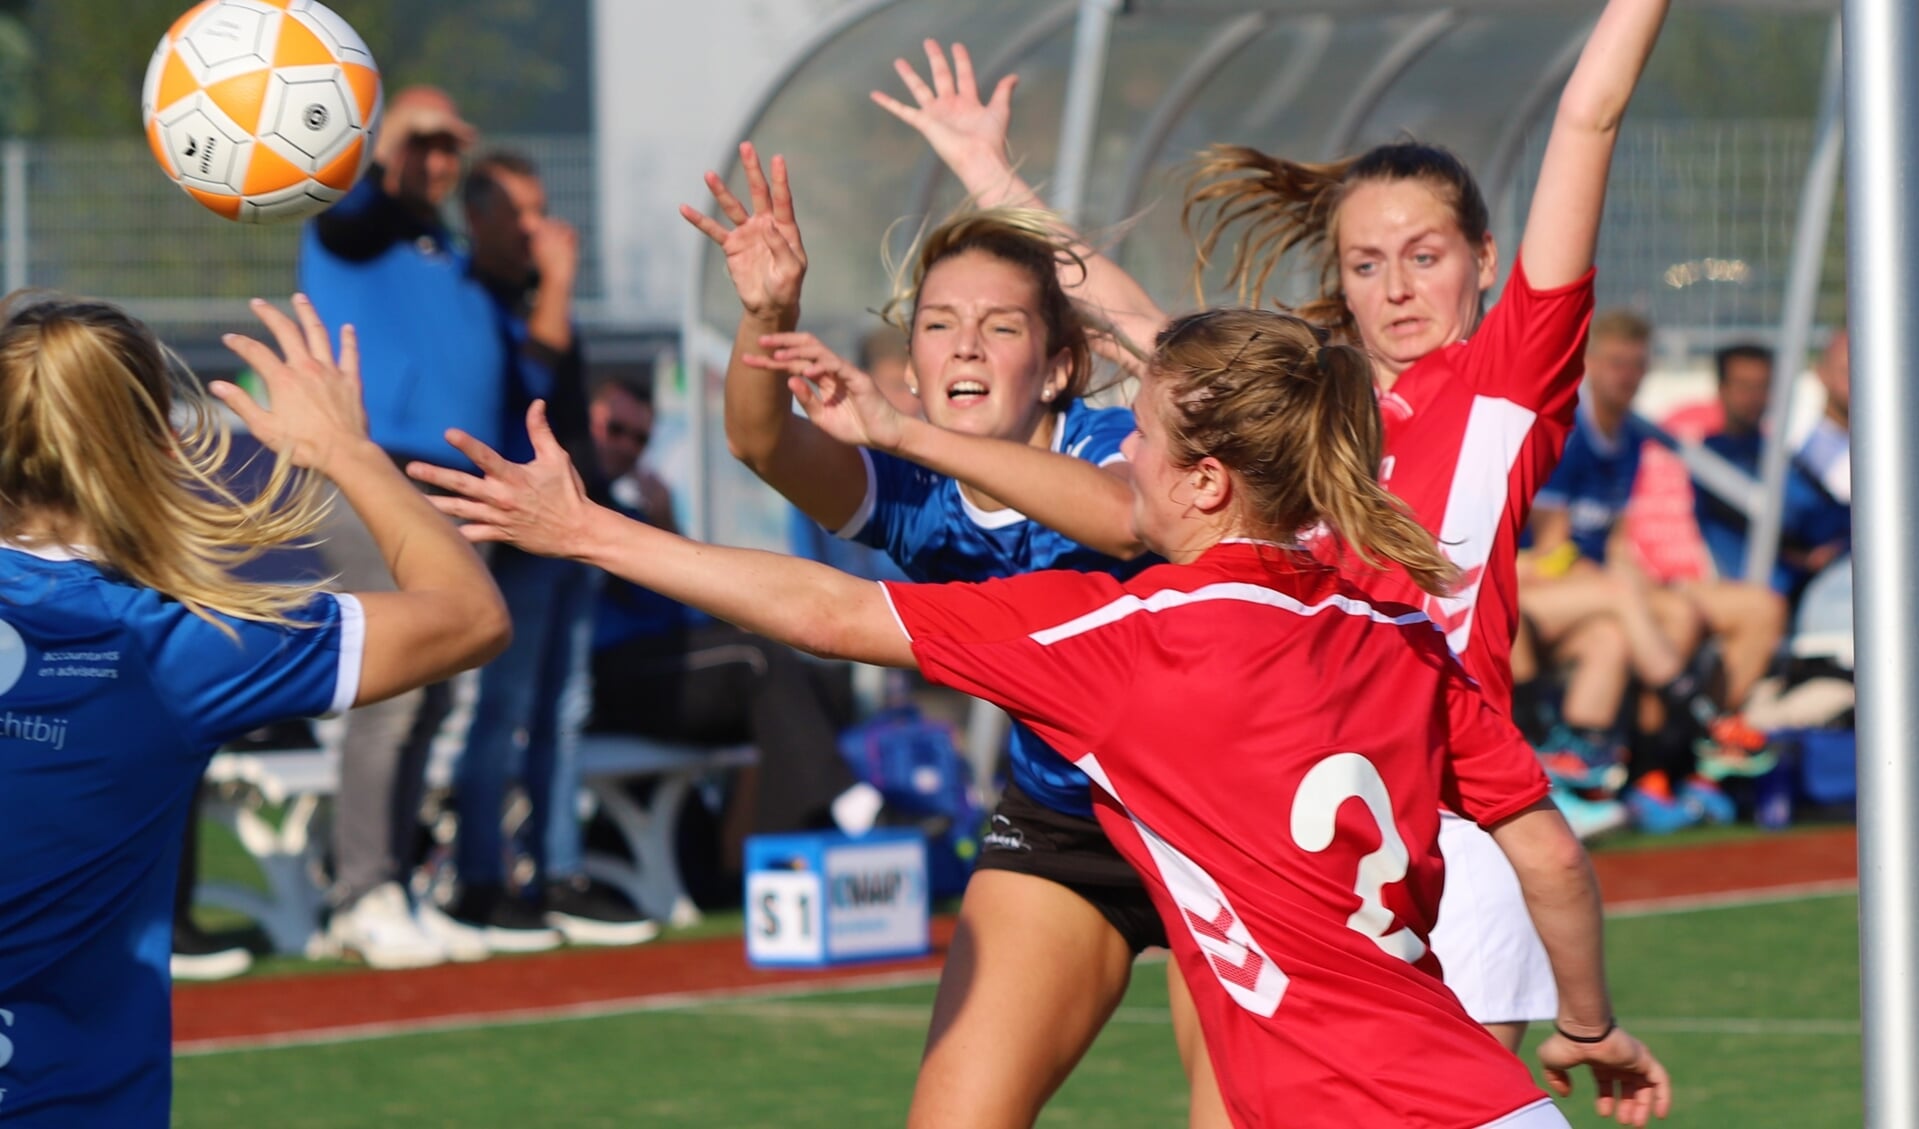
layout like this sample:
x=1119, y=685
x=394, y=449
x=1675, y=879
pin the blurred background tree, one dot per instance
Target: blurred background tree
x=516, y=66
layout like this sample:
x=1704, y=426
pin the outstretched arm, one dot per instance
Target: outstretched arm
x=1090, y=504
x=767, y=262
x=1563, y=897
x=1563, y=225
x=542, y=507
x=447, y=615
x=970, y=137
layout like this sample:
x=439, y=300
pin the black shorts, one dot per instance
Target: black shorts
x=1027, y=837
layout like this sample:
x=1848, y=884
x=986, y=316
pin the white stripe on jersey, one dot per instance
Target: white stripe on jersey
x=1168, y=598
x=1496, y=433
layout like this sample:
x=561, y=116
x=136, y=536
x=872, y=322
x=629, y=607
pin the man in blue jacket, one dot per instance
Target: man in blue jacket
x=432, y=357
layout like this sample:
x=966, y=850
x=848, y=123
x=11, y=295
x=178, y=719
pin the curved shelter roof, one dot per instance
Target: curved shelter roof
x=1115, y=96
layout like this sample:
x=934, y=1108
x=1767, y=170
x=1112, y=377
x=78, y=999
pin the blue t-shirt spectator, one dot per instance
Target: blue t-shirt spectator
x=112, y=700
x=934, y=534
x=1594, y=480
x=432, y=353
x=1811, y=517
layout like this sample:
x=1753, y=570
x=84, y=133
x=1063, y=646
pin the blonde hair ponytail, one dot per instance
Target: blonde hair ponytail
x=105, y=435
x=1296, y=421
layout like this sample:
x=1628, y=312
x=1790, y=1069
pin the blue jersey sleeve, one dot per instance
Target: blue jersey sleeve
x=897, y=509
x=222, y=686
x=1100, y=433
x=1559, y=489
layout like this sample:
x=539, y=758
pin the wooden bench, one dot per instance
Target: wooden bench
x=301, y=781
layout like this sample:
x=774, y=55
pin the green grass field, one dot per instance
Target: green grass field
x=1755, y=1009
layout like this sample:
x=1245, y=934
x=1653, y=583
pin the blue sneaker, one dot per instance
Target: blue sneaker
x=1703, y=797
x=1576, y=762
x=1657, y=813
x=1588, y=818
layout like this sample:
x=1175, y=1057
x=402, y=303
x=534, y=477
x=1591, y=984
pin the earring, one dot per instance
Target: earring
x=1046, y=395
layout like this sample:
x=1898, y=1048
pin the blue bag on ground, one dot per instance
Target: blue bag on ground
x=916, y=764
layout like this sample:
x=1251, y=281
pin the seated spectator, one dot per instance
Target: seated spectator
x=662, y=670
x=1815, y=527
x=1580, y=573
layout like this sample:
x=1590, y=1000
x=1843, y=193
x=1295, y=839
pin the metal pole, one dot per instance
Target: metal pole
x=1080, y=116
x=1882, y=269
x=1795, y=320
x=13, y=189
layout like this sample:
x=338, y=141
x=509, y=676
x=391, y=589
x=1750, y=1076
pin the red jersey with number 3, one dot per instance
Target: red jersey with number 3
x=1472, y=431
x=1271, y=750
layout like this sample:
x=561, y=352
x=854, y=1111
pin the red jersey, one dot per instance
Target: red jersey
x=1228, y=711
x=1472, y=431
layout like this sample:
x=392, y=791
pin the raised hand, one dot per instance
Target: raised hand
x=539, y=506
x=313, y=409
x=841, y=400
x=1633, y=1085
x=764, y=254
x=556, y=250
x=969, y=135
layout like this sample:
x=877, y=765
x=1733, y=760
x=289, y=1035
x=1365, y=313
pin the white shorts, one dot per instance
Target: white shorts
x=1542, y=1114
x=1484, y=939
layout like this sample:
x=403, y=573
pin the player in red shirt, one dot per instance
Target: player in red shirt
x=1195, y=696
x=1476, y=408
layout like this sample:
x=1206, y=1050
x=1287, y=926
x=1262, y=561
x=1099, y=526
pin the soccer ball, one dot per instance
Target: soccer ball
x=262, y=110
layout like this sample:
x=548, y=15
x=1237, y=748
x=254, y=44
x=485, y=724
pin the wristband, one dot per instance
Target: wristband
x=1612, y=1024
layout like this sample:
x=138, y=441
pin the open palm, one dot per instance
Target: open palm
x=765, y=256
x=840, y=399
x=964, y=131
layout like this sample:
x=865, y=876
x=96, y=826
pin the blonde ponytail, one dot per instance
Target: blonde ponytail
x=109, y=439
x=1296, y=422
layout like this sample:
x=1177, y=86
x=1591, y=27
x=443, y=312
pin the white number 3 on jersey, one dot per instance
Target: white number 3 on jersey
x=1316, y=804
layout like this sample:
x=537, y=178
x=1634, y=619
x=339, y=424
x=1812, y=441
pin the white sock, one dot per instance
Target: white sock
x=855, y=809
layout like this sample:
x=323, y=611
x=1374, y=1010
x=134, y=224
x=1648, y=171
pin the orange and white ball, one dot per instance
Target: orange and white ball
x=262, y=110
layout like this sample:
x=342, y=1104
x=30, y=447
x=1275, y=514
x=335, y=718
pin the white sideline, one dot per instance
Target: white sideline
x=768, y=1002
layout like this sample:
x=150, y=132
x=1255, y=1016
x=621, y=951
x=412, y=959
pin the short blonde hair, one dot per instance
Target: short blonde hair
x=1621, y=325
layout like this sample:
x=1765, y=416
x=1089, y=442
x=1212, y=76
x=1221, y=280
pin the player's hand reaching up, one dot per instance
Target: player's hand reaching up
x=967, y=134
x=313, y=412
x=1633, y=1085
x=540, y=506
x=841, y=400
x=764, y=254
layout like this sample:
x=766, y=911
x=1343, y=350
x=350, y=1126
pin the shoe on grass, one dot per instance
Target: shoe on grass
x=590, y=913
x=381, y=930
x=197, y=956
x=508, y=923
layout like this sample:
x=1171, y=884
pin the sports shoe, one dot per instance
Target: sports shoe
x=588, y=913
x=197, y=956
x=1731, y=731
x=463, y=943
x=1576, y=761
x=1590, y=817
x=1655, y=809
x=507, y=924
x=381, y=930
x=1704, y=798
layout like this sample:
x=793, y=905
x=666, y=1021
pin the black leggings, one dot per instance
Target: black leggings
x=719, y=685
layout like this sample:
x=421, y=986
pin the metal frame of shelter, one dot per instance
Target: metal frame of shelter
x=1872, y=81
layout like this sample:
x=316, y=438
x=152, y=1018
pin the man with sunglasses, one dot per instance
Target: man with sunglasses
x=663, y=670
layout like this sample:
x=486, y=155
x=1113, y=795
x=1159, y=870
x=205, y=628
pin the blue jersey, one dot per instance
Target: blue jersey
x=934, y=534
x=112, y=699
x=1594, y=480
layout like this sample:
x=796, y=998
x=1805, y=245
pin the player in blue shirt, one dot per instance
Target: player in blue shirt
x=1053, y=915
x=129, y=652
x=1581, y=573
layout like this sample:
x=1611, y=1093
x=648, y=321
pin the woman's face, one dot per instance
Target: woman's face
x=1164, y=515
x=1412, y=280
x=979, y=351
